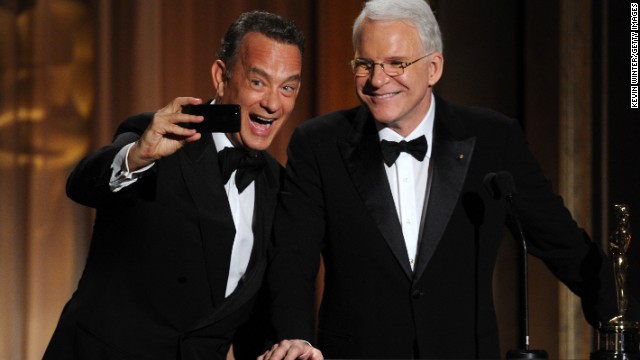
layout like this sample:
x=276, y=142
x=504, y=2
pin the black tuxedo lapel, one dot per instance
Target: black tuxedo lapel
x=235, y=301
x=266, y=190
x=450, y=158
x=363, y=159
x=199, y=165
x=267, y=186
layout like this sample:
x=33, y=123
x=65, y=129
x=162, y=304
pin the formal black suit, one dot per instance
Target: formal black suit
x=154, y=283
x=336, y=201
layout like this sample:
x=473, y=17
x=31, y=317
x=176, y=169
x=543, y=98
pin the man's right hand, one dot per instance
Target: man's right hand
x=164, y=136
x=292, y=350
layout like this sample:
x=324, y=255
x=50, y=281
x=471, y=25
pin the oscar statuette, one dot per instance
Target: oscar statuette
x=618, y=338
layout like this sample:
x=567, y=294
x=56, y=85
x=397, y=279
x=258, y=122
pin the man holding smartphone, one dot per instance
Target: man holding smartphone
x=181, y=232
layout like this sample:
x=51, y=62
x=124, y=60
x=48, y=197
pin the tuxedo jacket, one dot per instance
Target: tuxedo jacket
x=154, y=282
x=336, y=203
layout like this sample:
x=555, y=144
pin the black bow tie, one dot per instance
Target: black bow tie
x=248, y=164
x=391, y=149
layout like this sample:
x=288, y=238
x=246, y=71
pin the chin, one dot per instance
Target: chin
x=258, y=145
x=383, y=118
x=384, y=113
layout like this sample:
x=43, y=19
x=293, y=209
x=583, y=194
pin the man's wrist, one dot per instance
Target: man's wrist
x=135, y=160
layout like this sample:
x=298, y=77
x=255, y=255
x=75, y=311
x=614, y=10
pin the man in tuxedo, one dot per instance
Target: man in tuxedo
x=179, y=246
x=390, y=194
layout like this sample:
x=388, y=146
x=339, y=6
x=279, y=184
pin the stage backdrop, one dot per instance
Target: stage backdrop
x=71, y=70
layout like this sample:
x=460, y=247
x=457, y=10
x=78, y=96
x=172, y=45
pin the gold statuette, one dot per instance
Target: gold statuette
x=619, y=338
x=618, y=245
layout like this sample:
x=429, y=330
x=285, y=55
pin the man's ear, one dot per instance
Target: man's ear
x=436, y=65
x=217, y=75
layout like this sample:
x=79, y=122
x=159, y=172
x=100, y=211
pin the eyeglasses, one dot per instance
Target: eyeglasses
x=363, y=67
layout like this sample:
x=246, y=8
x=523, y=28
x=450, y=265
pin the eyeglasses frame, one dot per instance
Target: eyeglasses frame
x=403, y=65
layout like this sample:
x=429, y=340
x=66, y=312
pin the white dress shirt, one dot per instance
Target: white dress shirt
x=242, y=206
x=408, y=182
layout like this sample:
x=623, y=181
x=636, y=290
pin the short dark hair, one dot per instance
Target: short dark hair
x=271, y=25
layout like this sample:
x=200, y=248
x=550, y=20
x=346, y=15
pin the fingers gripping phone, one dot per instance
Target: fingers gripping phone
x=223, y=118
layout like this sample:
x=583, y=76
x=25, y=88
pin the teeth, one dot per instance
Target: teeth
x=260, y=123
x=262, y=120
x=385, y=95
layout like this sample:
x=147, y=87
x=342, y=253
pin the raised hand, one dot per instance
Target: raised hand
x=164, y=136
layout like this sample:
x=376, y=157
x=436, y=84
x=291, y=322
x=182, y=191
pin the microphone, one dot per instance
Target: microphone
x=501, y=185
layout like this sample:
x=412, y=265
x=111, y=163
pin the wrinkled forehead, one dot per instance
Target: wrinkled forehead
x=269, y=58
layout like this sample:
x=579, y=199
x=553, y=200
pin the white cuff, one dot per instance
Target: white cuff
x=121, y=177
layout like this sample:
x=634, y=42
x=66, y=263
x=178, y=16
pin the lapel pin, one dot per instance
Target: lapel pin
x=460, y=157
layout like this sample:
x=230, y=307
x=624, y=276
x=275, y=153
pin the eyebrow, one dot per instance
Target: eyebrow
x=263, y=73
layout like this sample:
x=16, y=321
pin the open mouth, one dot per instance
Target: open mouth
x=261, y=123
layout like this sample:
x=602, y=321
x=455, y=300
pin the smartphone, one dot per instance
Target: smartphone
x=223, y=118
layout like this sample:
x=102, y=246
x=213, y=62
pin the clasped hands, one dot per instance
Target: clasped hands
x=292, y=350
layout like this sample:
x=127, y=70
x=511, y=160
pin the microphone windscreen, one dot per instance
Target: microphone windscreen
x=505, y=184
x=489, y=184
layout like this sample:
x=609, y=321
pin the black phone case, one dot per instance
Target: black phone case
x=224, y=118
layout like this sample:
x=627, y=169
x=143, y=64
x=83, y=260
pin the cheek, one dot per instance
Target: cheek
x=245, y=96
x=277, y=126
x=288, y=104
x=362, y=89
x=237, y=138
x=419, y=89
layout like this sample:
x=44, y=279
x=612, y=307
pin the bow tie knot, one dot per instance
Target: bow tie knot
x=391, y=149
x=248, y=165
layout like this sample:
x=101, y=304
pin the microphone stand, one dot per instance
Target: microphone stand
x=525, y=353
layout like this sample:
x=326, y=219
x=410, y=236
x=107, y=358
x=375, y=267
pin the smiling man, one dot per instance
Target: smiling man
x=265, y=90
x=179, y=246
x=391, y=196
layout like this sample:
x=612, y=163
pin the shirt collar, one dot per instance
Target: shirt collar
x=221, y=141
x=424, y=128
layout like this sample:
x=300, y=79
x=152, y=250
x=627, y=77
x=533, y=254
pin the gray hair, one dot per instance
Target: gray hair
x=417, y=12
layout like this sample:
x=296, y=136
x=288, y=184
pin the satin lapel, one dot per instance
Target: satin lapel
x=450, y=161
x=236, y=300
x=199, y=165
x=267, y=186
x=362, y=157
